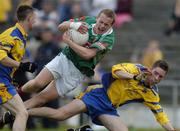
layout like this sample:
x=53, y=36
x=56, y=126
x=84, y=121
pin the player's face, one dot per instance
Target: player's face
x=31, y=20
x=157, y=75
x=103, y=24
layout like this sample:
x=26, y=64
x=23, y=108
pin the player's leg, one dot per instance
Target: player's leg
x=41, y=80
x=48, y=94
x=16, y=106
x=112, y=123
x=75, y=107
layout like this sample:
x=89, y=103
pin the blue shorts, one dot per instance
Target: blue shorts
x=7, y=90
x=98, y=103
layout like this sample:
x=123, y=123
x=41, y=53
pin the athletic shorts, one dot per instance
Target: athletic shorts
x=66, y=75
x=98, y=103
x=7, y=90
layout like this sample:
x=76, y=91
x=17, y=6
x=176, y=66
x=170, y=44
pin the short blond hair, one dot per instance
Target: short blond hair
x=109, y=13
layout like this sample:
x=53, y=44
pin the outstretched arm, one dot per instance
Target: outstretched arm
x=73, y=108
x=168, y=127
x=160, y=115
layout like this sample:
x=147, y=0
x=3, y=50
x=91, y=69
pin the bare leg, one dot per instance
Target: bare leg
x=41, y=80
x=16, y=106
x=48, y=94
x=75, y=107
x=112, y=123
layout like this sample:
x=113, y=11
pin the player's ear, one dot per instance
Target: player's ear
x=28, y=18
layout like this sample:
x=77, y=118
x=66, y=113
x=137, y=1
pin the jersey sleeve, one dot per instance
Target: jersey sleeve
x=126, y=67
x=5, y=48
x=106, y=42
x=158, y=112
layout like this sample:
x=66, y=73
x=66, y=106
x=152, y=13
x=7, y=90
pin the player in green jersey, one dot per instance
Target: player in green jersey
x=67, y=70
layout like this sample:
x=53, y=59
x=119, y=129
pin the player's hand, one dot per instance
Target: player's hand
x=28, y=66
x=66, y=37
x=79, y=26
x=83, y=29
x=143, y=75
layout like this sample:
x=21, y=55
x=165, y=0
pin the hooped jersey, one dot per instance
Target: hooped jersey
x=96, y=40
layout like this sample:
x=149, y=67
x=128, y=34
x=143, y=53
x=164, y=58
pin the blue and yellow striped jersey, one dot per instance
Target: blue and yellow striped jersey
x=12, y=44
x=123, y=91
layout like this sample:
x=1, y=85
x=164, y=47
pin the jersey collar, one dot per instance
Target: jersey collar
x=22, y=30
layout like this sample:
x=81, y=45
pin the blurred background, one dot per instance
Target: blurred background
x=146, y=30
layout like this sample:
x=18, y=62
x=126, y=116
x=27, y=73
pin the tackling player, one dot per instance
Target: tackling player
x=127, y=83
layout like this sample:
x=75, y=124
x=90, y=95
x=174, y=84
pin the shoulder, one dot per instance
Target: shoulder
x=140, y=67
x=8, y=35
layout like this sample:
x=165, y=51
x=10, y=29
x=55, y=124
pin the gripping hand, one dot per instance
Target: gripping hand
x=142, y=75
x=139, y=77
x=28, y=66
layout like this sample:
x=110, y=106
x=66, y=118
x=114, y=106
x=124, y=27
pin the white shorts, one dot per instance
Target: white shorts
x=66, y=75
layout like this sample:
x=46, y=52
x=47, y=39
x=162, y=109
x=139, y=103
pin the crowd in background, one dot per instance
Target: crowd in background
x=45, y=40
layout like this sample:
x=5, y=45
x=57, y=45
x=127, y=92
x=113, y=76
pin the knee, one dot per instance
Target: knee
x=23, y=113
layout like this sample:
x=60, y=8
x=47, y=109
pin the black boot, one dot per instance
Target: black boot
x=6, y=118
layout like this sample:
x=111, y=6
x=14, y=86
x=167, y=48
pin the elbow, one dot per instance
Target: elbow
x=87, y=56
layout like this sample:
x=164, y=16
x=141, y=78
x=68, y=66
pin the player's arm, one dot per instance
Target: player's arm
x=9, y=62
x=129, y=71
x=123, y=75
x=4, y=59
x=160, y=115
x=86, y=53
x=168, y=127
x=121, y=71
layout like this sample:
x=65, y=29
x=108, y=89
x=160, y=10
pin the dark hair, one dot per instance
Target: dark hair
x=162, y=64
x=109, y=13
x=23, y=11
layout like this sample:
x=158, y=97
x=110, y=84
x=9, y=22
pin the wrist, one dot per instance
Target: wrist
x=134, y=77
x=18, y=64
x=75, y=25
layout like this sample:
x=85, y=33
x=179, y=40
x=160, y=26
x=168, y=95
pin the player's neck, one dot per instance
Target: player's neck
x=23, y=25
